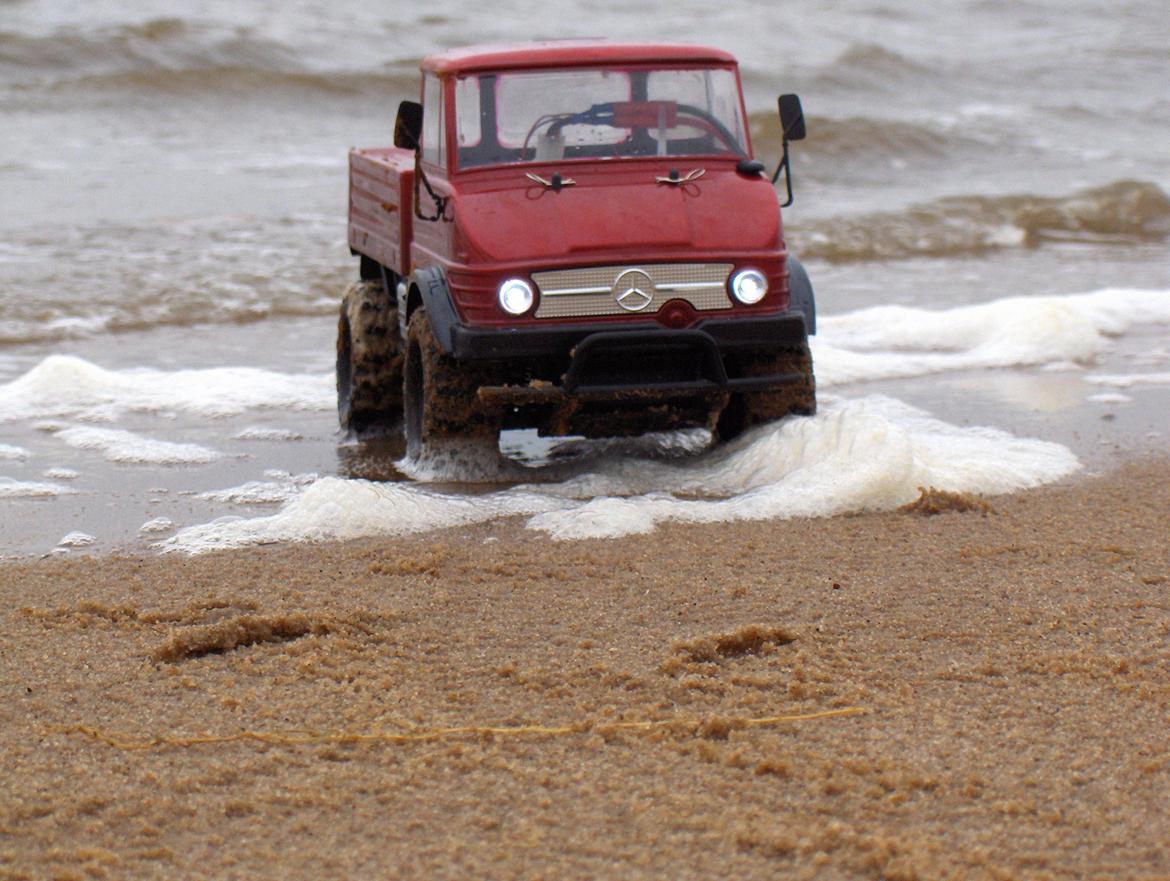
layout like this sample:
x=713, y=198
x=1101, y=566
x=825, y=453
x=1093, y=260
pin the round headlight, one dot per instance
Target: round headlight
x=749, y=286
x=516, y=296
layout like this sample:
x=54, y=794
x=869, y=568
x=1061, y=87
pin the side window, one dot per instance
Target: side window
x=434, y=146
x=468, y=124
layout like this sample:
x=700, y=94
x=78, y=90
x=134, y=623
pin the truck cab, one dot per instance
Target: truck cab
x=572, y=237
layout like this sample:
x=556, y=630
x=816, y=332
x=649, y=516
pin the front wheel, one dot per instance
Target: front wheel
x=439, y=395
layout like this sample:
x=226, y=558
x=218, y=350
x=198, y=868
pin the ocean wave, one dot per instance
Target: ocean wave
x=25, y=326
x=1127, y=211
x=881, y=342
x=71, y=387
x=864, y=454
x=159, y=44
x=868, y=67
x=171, y=56
x=243, y=81
x=893, y=342
x=249, y=270
x=863, y=138
x=217, y=270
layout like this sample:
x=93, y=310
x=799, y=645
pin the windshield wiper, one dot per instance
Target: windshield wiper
x=557, y=183
x=673, y=178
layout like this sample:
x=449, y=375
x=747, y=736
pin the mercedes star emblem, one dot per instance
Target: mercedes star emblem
x=633, y=290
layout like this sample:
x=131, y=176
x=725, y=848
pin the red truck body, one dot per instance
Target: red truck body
x=607, y=238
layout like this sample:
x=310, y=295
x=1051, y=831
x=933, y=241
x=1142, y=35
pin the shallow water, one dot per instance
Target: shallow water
x=172, y=247
x=1005, y=395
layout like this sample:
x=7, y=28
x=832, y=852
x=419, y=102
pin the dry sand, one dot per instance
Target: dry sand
x=1002, y=677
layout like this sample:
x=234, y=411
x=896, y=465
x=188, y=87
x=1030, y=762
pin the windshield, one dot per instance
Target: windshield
x=550, y=116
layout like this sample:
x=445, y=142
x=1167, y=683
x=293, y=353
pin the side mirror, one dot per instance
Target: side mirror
x=791, y=129
x=791, y=118
x=408, y=125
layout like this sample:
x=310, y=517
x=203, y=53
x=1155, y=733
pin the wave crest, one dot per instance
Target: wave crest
x=173, y=55
x=159, y=44
x=868, y=66
x=1123, y=211
x=861, y=137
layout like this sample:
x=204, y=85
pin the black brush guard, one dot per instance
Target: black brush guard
x=622, y=382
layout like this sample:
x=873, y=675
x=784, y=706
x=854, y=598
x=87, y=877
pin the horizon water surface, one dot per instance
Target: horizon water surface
x=982, y=204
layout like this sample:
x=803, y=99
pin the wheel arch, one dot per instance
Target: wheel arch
x=427, y=288
x=801, y=297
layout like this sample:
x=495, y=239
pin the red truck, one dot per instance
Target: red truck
x=572, y=236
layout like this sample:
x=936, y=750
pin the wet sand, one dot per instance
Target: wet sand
x=977, y=694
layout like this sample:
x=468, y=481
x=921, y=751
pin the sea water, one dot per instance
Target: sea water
x=981, y=203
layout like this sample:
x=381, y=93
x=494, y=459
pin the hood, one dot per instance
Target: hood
x=603, y=212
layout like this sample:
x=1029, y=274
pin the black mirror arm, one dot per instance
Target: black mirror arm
x=786, y=167
x=440, y=201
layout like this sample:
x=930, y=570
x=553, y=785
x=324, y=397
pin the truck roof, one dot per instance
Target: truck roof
x=569, y=53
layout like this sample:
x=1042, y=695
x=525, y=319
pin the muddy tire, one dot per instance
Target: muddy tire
x=748, y=409
x=440, y=404
x=369, y=358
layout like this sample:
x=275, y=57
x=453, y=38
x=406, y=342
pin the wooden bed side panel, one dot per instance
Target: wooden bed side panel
x=380, y=210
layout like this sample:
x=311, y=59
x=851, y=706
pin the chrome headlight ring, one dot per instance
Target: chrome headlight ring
x=749, y=286
x=516, y=296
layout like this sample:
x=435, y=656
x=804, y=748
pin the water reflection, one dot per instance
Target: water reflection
x=372, y=456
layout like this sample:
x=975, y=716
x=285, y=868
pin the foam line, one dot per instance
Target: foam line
x=67, y=386
x=864, y=454
x=130, y=448
x=892, y=342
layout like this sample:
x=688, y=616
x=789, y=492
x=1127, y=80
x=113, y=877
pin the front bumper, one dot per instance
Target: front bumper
x=608, y=379
x=639, y=378
x=723, y=334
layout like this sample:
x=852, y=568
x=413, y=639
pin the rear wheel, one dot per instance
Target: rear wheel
x=369, y=357
x=748, y=409
x=440, y=404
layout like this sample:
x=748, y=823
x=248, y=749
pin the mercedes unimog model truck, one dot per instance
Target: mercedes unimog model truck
x=573, y=237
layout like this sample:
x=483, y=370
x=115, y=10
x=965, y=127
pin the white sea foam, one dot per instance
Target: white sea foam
x=67, y=386
x=61, y=474
x=256, y=433
x=77, y=540
x=157, y=525
x=867, y=454
x=1109, y=398
x=11, y=453
x=879, y=343
x=338, y=509
x=856, y=455
x=888, y=342
x=261, y=492
x=1129, y=380
x=19, y=489
x=117, y=445
x=464, y=461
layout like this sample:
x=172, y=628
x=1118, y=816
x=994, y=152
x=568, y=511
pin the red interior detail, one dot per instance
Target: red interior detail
x=645, y=114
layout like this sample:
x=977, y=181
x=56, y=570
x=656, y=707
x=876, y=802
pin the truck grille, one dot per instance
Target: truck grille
x=622, y=290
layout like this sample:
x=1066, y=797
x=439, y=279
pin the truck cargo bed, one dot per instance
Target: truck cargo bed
x=381, y=182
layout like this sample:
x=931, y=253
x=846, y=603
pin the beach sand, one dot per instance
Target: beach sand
x=978, y=694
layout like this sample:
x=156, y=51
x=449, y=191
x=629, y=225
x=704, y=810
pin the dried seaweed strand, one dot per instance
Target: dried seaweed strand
x=126, y=742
